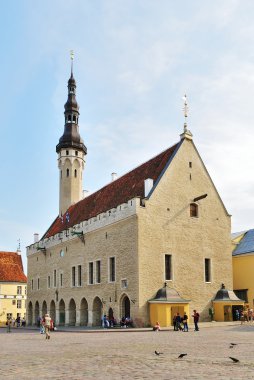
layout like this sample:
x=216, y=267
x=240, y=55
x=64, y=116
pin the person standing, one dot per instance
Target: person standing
x=196, y=319
x=185, y=322
x=47, y=323
x=8, y=324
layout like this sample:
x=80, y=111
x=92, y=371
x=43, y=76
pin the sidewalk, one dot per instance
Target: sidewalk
x=85, y=329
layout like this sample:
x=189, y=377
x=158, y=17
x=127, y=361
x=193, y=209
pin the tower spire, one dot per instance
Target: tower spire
x=72, y=58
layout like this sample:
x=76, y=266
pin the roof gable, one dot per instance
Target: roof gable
x=11, y=268
x=129, y=186
x=246, y=245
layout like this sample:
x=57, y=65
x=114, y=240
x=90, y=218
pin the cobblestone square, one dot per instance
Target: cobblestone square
x=26, y=354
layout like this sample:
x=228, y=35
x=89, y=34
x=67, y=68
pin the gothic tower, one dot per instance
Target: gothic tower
x=71, y=153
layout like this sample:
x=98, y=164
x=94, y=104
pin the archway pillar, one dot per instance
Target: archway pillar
x=57, y=317
x=77, y=317
x=90, y=318
x=67, y=317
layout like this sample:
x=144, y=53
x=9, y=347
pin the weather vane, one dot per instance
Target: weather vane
x=72, y=58
x=18, y=244
x=185, y=112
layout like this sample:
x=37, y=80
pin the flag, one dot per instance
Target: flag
x=67, y=217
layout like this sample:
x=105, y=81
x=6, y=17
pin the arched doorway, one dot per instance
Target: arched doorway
x=44, y=309
x=52, y=311
x=72, y=313
x=30, y=314
x=110, y=314
x=61, y=313
x=125, y=307
x=97, y=311
x=83, y=312
x=36, y=314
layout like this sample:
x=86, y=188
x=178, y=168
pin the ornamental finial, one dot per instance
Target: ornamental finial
x=185, y=112
x=72, y=58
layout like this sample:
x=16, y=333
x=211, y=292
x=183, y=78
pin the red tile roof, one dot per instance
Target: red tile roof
x=120, y=191
x=11, y=267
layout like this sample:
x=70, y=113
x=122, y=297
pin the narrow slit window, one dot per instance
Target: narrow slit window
x=207, y=270
x=67, y=172
x=168, y=267
x=193, y=210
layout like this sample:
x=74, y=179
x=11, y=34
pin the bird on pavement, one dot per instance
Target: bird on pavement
x=234, y=359
x=158, y=353
x=181, y=356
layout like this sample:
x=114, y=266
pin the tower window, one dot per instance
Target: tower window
x=112, y=269
x=69, y=118
x=67, y=172
x=190, y=164
x=75, y=173
x=76, y=152
x=193, y=210
x=67, y=153
x=74, y=118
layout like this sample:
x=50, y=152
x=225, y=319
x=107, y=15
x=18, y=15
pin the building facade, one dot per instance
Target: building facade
x=243, y=265
x=13, y=286
x=109, y=253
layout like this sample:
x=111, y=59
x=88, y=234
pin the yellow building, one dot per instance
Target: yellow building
x=13, y=285
x=243, y=266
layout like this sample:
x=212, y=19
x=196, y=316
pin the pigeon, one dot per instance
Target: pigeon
x=234, y=359
x=158, y=353
x=181, y=356
x=233, y=344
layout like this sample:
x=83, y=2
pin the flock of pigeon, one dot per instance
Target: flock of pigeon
x=182, y=355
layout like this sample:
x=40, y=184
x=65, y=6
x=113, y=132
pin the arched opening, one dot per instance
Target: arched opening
x=44, y=309
x=110, y=314
x=74, y=118
x=30, y=314
x=69, y=118
x=37, y=314
x=125, y=307
x=97, y=311
x=194, y=210
x=72, y=313
x=75, y=173
x=67, y=172
x=52, y=311
x=83, y=312
x=61, y=313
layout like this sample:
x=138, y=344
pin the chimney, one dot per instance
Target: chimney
x=113, y=176
x=85, y=193
x=148, y=186
x=36, y=238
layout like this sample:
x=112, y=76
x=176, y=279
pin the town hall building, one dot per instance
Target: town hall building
x=151, y=243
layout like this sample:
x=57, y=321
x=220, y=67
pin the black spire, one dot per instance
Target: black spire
x=71, y=137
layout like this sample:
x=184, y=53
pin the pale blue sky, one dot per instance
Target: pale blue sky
x=134, y=60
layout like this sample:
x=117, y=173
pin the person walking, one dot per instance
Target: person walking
x=196, y=319
x=47, y=323
x=8, y=324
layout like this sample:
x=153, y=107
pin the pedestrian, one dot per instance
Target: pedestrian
x=178, y=322
x=196, y=319
x=8, y=324
x=174, y=322
x=157, y=326
x=185, y=322
x=47, y=323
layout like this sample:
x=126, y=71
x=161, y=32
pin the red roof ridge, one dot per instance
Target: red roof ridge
x=11, y=267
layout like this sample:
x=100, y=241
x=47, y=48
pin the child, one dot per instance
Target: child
x=157, y=326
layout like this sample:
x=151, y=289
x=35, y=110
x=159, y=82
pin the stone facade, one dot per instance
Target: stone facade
x=137, y=234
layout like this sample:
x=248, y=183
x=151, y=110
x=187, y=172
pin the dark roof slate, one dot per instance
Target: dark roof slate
x=246, y=245
x=11, y=267
x=120, y=191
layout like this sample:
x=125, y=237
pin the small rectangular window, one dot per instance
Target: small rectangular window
x=19, y=290
x=112, y=269
x=38, y=283
x=48, y=281
x=73, y=276
x=14, y=302
x=61, y=279
x=168, y=267
x=124, y=284
x=98, y=272
x=90, y=273
x=79, y=275
x=207, y=270
x=19, y=304
x=190, y=164
x=55, y=278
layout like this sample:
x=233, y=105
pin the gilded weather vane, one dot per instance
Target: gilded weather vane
x=185, y=112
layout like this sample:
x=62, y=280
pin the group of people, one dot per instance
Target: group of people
x=181, y=323
x=108, y=322
x=245, y=315
x=12, y=322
